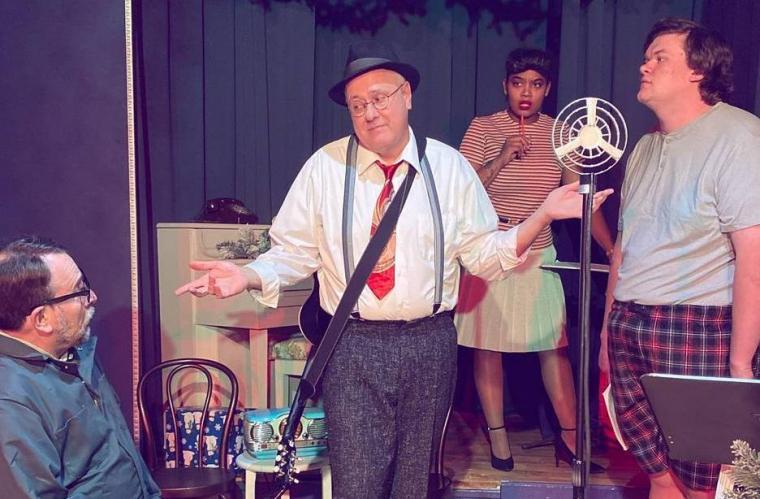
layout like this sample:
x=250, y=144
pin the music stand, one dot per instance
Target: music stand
x=560, y=265
x=700, y=417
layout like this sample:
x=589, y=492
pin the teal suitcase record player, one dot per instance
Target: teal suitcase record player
x=263, y=428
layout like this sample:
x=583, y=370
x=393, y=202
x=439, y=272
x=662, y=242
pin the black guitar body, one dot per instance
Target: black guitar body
x=312, y=320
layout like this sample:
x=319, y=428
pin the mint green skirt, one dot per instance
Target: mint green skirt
x=523, y=313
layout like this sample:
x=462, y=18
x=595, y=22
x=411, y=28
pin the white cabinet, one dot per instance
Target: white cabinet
x=234, y=331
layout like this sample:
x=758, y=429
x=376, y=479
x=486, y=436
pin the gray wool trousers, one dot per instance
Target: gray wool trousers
x=386, y=392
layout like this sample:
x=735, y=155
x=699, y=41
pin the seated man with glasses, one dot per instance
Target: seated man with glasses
x=62, y=433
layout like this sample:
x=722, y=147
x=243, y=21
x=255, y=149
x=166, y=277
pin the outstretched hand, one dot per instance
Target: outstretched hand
x=566, y=202
x=223, y=279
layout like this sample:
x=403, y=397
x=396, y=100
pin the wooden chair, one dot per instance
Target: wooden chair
x=186, y=481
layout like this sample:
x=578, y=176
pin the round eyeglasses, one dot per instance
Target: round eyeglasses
x=357, y=107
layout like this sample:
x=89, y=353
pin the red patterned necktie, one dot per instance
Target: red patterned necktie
x=383, y=275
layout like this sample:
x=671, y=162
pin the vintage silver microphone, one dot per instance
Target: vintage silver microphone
x=589, y=137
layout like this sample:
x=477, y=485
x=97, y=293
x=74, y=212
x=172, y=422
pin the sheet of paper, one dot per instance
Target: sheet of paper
x=725, y=481
x=613, y=417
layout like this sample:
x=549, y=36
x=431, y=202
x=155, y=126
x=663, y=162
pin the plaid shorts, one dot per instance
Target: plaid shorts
x=672, y=339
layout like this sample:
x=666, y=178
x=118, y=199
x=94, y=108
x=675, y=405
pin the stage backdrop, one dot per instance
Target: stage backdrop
x=63, y=137
x=235, y=90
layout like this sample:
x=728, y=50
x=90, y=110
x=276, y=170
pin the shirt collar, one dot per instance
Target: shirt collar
x=687, y=128
x=20, y=349
x=14, y=346
x=366, y=158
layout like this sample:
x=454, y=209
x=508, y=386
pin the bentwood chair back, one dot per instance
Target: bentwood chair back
x=183, y=481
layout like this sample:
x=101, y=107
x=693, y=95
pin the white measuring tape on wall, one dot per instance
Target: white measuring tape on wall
x=132, y=181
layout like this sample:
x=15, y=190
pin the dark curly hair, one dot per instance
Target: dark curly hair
x=707, y=53
x=523, y=59
x=24, y=278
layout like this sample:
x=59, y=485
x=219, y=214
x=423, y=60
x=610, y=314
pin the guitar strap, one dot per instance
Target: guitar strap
x=321, y=353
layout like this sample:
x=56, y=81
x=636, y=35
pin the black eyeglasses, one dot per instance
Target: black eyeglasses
x=86, y=291
x=357, y=107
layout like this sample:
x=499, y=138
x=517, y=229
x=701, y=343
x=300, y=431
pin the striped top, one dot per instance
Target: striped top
x=521, y=186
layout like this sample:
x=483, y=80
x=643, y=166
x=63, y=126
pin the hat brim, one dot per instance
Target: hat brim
x=337, y=92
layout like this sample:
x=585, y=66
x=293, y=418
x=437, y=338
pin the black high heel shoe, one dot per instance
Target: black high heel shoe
x=563, y=453
x=507, y=464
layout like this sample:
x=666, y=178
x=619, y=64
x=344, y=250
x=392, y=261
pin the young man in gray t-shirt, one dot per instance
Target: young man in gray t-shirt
x=684, y=283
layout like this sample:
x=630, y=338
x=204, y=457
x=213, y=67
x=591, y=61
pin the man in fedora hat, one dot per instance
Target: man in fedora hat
x=388, y=385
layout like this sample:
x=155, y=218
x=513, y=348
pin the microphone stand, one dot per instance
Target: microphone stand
x=598, y=136
x=582, y=463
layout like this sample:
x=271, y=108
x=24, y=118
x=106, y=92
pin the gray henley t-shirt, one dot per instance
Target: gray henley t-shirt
x=683, y=193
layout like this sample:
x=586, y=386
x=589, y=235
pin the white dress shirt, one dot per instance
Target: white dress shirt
x=306, y=234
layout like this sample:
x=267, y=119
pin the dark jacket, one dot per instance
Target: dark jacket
x=62, y=433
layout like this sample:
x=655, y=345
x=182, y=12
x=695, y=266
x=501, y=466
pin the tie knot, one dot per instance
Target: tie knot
x=389, y=170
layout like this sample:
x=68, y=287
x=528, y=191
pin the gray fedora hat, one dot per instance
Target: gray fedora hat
x=368, y=55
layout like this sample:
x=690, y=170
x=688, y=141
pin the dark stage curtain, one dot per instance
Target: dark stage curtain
x=235, y=90
x=63, y=137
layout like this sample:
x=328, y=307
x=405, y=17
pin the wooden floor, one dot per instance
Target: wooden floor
x=467, y=460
